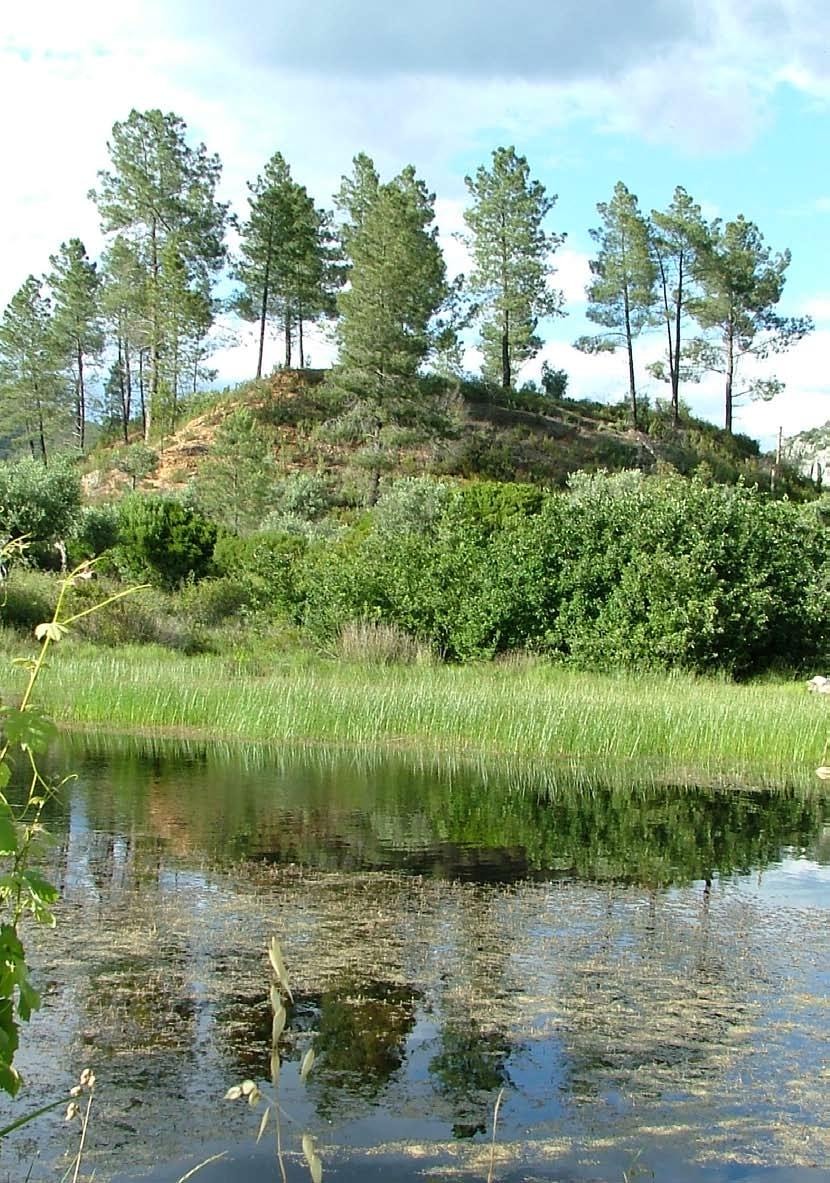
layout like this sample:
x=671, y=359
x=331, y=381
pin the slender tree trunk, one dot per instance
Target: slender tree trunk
x=81, y=401
x=300, y=333
x=678, y=315
x=266, y=292
x=263, y=315
x=288, y=341
x=122, y=398
x=127, y=392
x=506, y=376
x=155, y=354
x=667, y=317
x=144, y=428
x=730, y=368
x=629, y=345
x=41, y=433
x=174, y=393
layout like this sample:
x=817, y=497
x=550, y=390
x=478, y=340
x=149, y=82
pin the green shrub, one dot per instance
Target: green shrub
x=268, y=565
x=412, y=505
x=27, y=598
x=213, y=601
x=493, y=505
x=303, y=495
x=96, y=530
x=38, y=502
x=623, y=571
x=164, y=540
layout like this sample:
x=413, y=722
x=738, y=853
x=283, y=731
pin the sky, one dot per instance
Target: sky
x=729, y=98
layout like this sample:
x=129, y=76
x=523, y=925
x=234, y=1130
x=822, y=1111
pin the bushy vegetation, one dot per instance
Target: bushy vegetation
x=619, y=571
x=622, y=571
x=164, y=540
x=38, y=503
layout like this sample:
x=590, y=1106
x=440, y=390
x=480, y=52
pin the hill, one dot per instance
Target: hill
x=466, y=429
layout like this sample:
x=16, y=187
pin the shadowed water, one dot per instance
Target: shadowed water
x=644, y=971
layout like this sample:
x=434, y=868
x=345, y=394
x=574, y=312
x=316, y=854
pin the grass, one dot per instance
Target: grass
x=531, y=712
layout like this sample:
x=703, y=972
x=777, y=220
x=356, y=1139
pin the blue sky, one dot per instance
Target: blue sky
x=726, y=97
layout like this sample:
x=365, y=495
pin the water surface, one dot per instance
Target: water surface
x=642, y=971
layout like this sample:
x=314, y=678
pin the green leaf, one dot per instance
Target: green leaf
x=8, y=830
x=28, y=729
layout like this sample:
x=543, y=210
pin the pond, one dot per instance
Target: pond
x=641, y=972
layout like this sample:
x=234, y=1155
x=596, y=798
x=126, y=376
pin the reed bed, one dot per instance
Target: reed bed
x=762, y=732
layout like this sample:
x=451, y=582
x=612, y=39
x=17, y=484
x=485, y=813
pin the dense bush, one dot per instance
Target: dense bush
x=411, y=505
x=96, y=530
x=163, y=540
x=621, y=571
x=153, y=617
x=38, y=502
x=268, y=565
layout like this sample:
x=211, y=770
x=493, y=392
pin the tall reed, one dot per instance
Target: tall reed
x=523, y=711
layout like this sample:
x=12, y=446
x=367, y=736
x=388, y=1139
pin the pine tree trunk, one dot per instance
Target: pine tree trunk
x=506, y=376
x=144, y=429
x=288, y=341
x=266, y=291
x=174, y=393
x=126, y=392
x=730, y=367
x=155, y=353
x=81, y=408
x=675, y=374
x=41, y=433
x=263, y=314
x=629, y=344
x=300, y=333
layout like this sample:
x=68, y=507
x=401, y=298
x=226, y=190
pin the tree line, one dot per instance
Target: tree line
x=142, y=314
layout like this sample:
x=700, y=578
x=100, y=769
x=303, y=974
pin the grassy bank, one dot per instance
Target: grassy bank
x=681, y=727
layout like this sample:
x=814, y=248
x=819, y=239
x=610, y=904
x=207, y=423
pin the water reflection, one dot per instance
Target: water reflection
x=605, y=956
x=318, y=810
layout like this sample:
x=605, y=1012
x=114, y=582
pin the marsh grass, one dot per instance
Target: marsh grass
x=685, y=728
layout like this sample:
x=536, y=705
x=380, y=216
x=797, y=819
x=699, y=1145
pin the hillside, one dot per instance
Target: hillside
x=468, y=430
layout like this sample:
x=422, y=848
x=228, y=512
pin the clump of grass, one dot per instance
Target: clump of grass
x=377, y=643
x=687, y=729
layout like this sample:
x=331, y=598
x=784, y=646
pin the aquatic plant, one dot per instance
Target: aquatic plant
x=250, y=1091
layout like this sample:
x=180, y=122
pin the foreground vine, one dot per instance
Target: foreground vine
x=26, y=735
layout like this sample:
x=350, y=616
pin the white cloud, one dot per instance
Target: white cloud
x=697, y=77
x=818, y=307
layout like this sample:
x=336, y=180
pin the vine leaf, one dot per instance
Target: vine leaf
x=27, y=729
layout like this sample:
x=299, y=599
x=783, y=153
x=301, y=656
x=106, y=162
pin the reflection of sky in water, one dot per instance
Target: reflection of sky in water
x=794, y=882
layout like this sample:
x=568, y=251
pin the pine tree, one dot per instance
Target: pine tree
x=77, y=329
x=285, y=265
x=162, y=193
x=124, y=303
x=741, y=282
x=678, y=235
x=187, y=314
x=622, y=294
x=30, y=387
x=396, y=283
x=511, y=253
